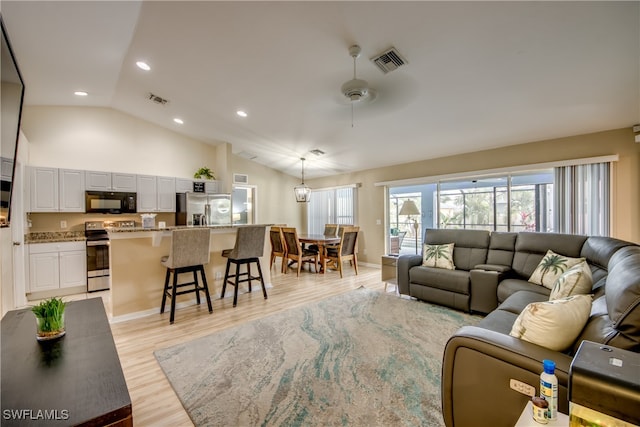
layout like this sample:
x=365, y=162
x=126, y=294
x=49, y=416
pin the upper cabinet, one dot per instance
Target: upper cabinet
x=110, y=181
x=43, y=189
x=156, y=193
x=184, y=185
x=71, y=190
x=56, y=190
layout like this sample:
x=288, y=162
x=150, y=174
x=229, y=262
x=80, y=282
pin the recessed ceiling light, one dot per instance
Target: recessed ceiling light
x=241, y=113
x=80, y=93
x=143, y=65
x=178, y=121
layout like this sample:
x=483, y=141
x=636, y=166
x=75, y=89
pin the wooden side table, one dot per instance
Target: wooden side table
x=388, y=271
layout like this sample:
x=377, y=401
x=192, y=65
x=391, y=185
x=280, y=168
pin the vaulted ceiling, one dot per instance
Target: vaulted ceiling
x=479, y=75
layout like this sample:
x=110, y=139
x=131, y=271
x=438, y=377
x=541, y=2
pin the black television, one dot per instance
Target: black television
x=12, y=97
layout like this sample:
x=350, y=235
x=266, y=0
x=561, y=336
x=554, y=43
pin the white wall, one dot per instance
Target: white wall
x=94, y=138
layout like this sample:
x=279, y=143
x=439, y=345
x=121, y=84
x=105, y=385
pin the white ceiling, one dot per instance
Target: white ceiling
x=480, y=74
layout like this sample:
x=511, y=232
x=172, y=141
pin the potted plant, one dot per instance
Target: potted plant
x=204, y=173
x=49, y=318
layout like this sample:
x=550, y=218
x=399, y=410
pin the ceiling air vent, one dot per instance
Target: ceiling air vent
x=389, y=60
x=157, y=99
x=317, y=152
x=247, y=155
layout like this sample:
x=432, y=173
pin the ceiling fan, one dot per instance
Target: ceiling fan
x=357, y=91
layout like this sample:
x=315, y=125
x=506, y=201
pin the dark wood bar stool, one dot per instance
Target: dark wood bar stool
x=247, y=250
x=188, y=254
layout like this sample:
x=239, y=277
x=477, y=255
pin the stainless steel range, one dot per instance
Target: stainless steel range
x=98, y=267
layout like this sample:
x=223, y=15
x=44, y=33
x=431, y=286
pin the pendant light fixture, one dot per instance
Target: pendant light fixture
x=302, y=192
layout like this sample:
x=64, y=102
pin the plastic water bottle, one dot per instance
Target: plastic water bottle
x=549, y=388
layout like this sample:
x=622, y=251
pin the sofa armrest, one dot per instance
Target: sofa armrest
x=484, y=290
x=477, y=368
x=405, y=263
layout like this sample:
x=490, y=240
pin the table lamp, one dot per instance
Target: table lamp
x=409, y=208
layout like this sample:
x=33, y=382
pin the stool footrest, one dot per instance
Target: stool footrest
x=171, y=289
x=235, y=279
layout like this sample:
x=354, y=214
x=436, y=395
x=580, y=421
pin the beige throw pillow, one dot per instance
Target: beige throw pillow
x=553, y=324
x=575, y=281
x=551, y=267
x=438, y=256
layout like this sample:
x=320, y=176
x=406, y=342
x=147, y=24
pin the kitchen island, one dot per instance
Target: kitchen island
x=137, y=277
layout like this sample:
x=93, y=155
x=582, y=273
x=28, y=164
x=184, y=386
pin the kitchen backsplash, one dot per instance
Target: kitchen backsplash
x=42, y=222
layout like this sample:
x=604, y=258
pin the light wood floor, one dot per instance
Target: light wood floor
x=154, y=401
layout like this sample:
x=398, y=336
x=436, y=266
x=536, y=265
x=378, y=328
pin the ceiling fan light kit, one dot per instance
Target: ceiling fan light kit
x=357, y=90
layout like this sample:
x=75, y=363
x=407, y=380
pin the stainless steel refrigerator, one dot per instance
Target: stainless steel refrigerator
x=203, y=209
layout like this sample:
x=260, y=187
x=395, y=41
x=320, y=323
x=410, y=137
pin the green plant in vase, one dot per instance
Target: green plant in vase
x=49, y=318
x=204, y=173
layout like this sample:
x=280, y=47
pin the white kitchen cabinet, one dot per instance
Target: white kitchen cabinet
x=73, y=268
x=156, y=193
x=44, y=271
x=166, y=194
x=184, y=185
x=147, y=193
x=6, y=169
x=210, y=186
x=123, y=182
x=110, y=181
x=57, y=265
x=71, y=190
x=43, y=189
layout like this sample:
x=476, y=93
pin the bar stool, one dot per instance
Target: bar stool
x=188, y=253
x=247, y=250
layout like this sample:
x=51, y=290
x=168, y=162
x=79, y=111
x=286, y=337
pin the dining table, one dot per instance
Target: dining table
x=320, y=240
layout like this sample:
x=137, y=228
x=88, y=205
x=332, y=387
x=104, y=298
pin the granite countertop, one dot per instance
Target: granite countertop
x=54, y=237
x=177, y=227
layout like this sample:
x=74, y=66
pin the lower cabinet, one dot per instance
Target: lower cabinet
x=57, y=265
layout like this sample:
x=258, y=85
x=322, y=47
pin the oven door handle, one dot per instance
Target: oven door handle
x=98, y=243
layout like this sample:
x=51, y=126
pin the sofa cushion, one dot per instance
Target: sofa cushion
x=470, y=249
x=531, y=247
x=518, y=301
x=501, y=248
x=448, y=280
x=551, y=266
x=499, y=321
x=438, y=256
x=553, y=324
x=575, y=281
x=507, y=287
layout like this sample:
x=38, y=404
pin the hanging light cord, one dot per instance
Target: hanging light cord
x=303, y=159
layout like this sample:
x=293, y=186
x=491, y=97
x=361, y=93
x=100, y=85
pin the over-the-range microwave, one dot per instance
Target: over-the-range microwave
x=110, y=202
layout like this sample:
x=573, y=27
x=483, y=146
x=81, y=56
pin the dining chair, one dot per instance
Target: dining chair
x=347, y=249
x=295, y=252
x=188, y=253
x=248, y=249
x=278, y=248
x=329, y=230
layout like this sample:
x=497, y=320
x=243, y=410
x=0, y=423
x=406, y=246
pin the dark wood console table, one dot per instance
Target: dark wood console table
x=75, y=380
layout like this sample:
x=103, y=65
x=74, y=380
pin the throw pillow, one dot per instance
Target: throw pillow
x=551, y=267
x=438, y=256
x=575, y=281
x=553, y=324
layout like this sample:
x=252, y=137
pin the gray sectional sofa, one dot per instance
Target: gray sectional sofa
x=492, y=269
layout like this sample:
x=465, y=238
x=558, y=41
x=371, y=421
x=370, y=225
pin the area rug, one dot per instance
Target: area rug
x=363, y=358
